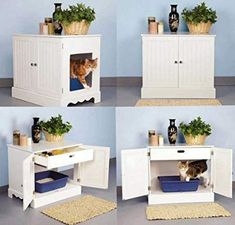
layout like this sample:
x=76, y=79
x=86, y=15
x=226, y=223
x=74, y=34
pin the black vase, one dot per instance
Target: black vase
x=172, y=132
x=174, y=19
x=57, y=26
x=36, y=130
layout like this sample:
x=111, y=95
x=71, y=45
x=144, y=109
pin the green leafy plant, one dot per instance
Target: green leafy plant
x=201, y=13
x=56, y=126
x=195, y=127
x=76, y=13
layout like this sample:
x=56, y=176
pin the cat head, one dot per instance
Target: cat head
x=91, y=64
x=183, y=165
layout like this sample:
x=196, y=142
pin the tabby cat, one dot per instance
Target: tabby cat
x=80, y=69
x=194, y=169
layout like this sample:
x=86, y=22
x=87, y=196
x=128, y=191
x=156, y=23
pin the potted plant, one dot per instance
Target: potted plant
x=200, y=19
x=54, y=128
x=196, y=131
x=76, y=19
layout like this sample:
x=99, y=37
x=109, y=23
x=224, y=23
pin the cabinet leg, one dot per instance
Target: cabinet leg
x=10, y=195
x=97, y=98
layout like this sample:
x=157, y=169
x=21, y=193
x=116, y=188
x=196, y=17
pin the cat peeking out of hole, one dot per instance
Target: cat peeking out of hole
x=193, y=170
x=80, y=69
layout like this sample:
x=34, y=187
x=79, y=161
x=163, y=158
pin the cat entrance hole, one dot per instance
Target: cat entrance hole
x=75, y=61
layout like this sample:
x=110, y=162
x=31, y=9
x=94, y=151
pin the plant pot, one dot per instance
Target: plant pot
x=200, y=28
x=197, y=140
x=53, y=138
x=77, y=28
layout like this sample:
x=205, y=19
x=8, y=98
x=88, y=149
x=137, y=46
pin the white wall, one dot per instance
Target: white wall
x=132, y=125
x=91, y=126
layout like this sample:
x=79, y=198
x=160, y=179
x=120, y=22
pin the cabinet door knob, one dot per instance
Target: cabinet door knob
x=71, y=156
x=176, y=62
x=181, y=62
x=35, y=64
x=31, y=64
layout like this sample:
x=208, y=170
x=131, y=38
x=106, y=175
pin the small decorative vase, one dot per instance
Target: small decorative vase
x=36, y=130
x=172, y=132
x=174, y=19
x=57, y=26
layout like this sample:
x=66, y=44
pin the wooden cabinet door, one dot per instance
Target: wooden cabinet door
x=28, y=181
x=48, y=66
x=222, y=171
x=135, y=173
x=160, y=67
x=24, y=55
x=95, y=173
x=196, y=62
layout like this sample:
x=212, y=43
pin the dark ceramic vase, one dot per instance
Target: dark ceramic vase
x=174, y=19
x=172, y=132
x=36, y=130
x=57, y=26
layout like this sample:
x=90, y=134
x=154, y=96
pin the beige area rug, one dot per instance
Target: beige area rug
x=79, y=210
x=186, y=211
x=178, y=102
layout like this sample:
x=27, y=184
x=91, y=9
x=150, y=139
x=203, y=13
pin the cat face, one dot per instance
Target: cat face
x=91, y=64
x=183, y=165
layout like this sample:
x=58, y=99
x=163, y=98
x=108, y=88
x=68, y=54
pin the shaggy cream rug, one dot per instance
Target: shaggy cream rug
x=186, y=211
x=178, y=102
x=79, y=210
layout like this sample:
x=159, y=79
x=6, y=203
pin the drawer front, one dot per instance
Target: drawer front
x=66, y=159
x=180, y=154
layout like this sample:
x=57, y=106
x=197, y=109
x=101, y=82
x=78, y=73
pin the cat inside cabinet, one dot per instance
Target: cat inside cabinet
x=201, y=171
x=82, y=67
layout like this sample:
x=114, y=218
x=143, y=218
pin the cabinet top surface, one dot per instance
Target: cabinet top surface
x=179, y=34
x=45, y=146
x=180, y=146
x=57, y=36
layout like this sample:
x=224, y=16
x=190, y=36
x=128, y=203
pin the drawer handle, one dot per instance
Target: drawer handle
x=71, y=156
x=181, y=151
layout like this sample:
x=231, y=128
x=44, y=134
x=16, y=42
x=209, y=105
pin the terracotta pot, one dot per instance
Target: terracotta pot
x=77, y=28
x=53, y=138
x=197, y=140
x=200, y=28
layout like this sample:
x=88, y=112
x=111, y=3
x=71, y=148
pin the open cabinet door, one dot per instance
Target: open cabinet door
x=95, y=173
x=222, y=171
x=28, y=181
x=135, y=170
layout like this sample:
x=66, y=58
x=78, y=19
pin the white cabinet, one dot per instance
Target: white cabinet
x=42, y=68
x=141, y=167
x=91, y=169
x=178, y=66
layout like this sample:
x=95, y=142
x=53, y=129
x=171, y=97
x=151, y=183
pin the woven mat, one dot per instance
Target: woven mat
x=79, y=210
x=178, y=102
x=186, y=211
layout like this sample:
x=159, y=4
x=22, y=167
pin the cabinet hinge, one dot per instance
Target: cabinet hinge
x=33, y=159
x=62, y=46
x=212, y=152
x=78, y=180
x=149, y=188
x=212, y=186
x=148, y=154
x=62, y=90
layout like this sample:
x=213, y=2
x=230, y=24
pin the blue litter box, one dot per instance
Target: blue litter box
x=174, y=184
x=75, y=85
x=59, y=181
